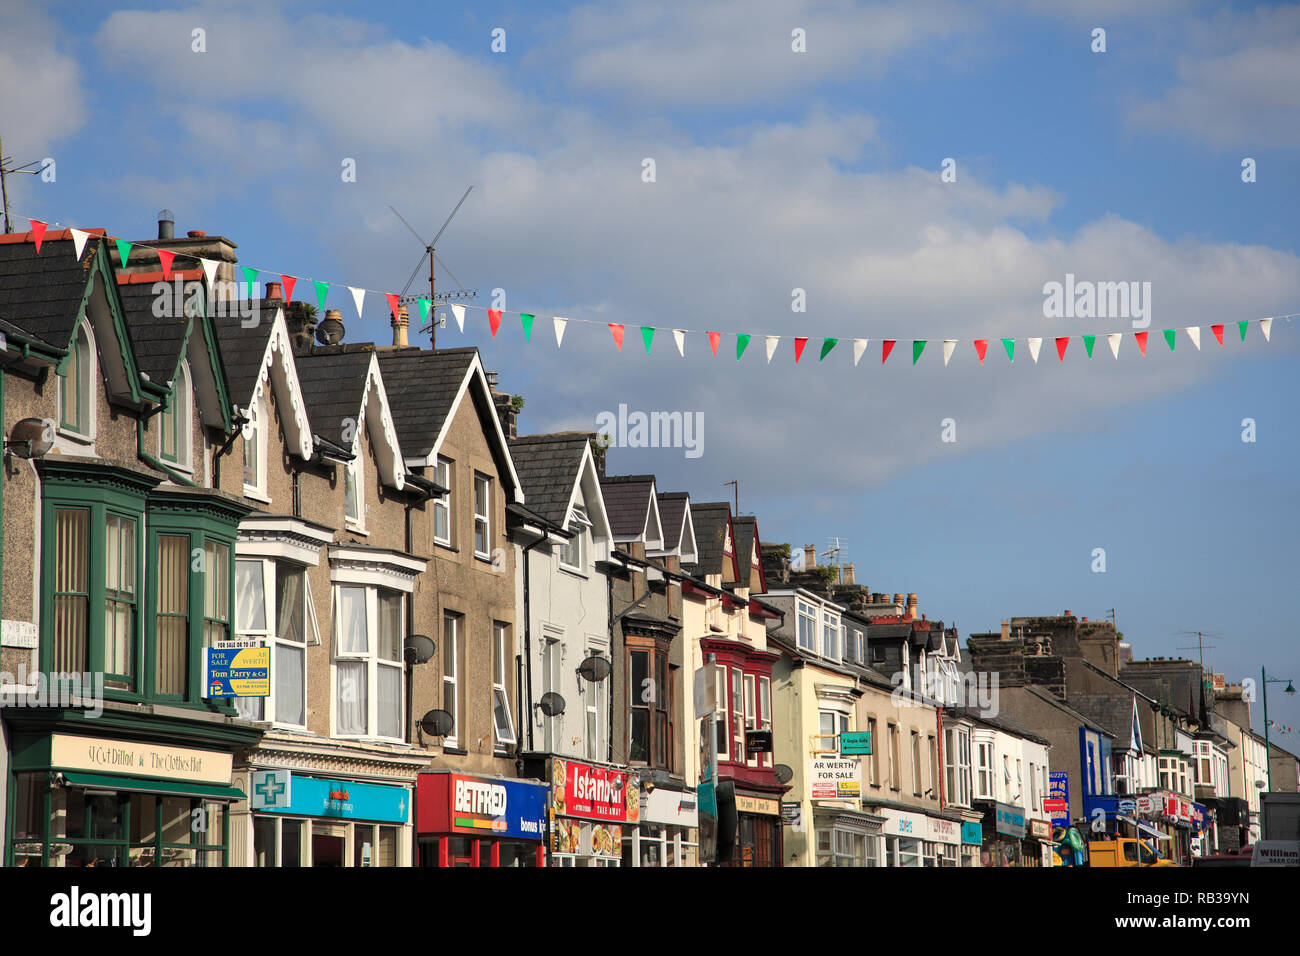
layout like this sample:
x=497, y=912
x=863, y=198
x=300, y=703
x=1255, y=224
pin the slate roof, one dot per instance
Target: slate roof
x=672, y=515
x=627, y=502
x=155, y=340
x=710, y=520
x=432, y=375
x=41, y=294
x=742, y=528
x=547, y=466
x=333, y=380
x=242, y=349
x=1113, y=714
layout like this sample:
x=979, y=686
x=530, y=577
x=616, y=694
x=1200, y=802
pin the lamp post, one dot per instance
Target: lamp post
x=1268, y=757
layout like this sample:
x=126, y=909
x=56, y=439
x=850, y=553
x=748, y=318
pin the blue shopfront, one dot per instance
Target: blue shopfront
x=300, y=820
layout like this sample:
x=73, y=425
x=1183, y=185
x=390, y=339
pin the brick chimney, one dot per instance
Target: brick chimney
x=598, y=449
x=809, y=557
x=1006, y=630
x=400, y=325
x=507, y=410
x=848, y=573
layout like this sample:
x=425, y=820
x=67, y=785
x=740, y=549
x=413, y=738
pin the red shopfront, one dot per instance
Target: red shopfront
x=465, y=820
x=591, y=807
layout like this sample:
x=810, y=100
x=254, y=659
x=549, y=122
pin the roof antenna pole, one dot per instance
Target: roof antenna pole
x=736, y=485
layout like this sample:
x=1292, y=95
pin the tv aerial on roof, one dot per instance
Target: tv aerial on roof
x=431, y=254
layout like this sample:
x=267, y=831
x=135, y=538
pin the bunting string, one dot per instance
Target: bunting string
x=322, y=288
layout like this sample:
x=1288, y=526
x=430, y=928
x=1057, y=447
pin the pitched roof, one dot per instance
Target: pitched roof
x=548, y=468
x=672, y=512
x=156, y=339
x=435, y=376
x=42, y=293
x=711, y=520
x=243, y=349
x=627, y=499
x=333, y=380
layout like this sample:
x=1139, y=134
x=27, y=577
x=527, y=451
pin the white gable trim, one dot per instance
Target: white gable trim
x=653, y=524
x=589, y=482
x=377, y=418
x=281, y=374
x=475, y=375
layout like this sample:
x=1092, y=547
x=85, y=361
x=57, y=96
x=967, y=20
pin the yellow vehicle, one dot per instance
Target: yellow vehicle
x=1125, y=851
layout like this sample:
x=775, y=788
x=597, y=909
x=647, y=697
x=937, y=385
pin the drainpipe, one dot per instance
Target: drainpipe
x=528, y=636
x=153, y=462
x=938, y=723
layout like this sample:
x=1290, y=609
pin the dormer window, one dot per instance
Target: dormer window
x=76, y=386
x=174, y=421
x=573, y=555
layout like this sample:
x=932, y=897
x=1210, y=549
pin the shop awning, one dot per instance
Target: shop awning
x=173, y=788
x=1152, y=831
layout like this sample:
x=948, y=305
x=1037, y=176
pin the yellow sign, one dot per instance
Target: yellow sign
x=771, y=808
x=139, y=760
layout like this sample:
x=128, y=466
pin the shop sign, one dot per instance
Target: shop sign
x=1127, y=806
x=758, y=742
x=599, y=793
x=1058, y=802
x=791, y=813
x=270, y=789
x=461, y=803
x=68, y=752
x=1040, y=829
x=347, y=800
x=944, y=831
x=972, y=834
x=759, y=805
x=237, y=669
x=904, y=824
x=1146, y=805
x=672, y=807
x=835, y=779
x=1009, y=820
x=855, y=743
x=1276, y=853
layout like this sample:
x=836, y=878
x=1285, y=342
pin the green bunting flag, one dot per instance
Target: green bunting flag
x=742, y=343
x=322, y=290
x=1088, y=340
x=250, y=278
x=124, y=250
x=647, y=335
x=526, y=320
x=1241, y=325
x=1169, y=338
x=918, y=346
x=1010, y=346
x=425, y=305
x=827, y=345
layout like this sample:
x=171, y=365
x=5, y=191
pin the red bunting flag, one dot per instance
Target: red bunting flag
x=1218, y=333
x=1061, y=342
x=886, y=347
x=714, y=339
x=799, y=343
x=981, y=346
x=288, y=288
x=166, y=258
x=392, y=303
x=1142, y=341
x=617, y=331
x=494, y=320
x=38, y=233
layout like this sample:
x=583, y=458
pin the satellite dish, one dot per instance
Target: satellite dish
x=31, y=438
x=594, y=669
x=437, y=723
x=783, y=773
x=551, y=704
x=418, y=649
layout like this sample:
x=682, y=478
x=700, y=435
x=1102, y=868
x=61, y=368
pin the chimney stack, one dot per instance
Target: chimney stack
x=166, y=224
x=400, y=325
x=809, y=557
x=1006, y=630
x=598, y=449
x=848, y=573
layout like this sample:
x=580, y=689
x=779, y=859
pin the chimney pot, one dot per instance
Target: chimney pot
x=197, y=234
x=166, y=224
x=1067, y=613
x=400, y=324
x=273, y=291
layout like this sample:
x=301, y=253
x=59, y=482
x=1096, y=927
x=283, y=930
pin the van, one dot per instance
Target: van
x=1125, y=851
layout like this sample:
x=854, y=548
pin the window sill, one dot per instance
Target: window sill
x=446, y=546
x=257, y=495
x=457, y=751
x=356, y=529
x=574, y=572
x=485, y=558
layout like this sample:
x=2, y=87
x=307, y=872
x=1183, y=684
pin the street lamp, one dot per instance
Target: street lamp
x=1290, y=691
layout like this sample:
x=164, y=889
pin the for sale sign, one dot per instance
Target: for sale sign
x=835, y=779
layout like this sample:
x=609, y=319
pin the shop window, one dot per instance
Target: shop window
x=368, y=662
x=840, y=848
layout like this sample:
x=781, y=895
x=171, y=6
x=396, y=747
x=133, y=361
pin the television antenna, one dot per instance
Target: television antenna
x=5, y=170
x=833, y=552
x=1199, y=646
x=430, y=254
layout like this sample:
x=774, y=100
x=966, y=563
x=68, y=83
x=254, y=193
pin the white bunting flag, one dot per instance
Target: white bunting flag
x=679, y=336
x=209, y=271
x=78, y=240
x=948, y=346
x=769, y=343
x=1113, y=340
x=1265, y=325
x=459, y=312
x=1194, y=333
x=859, y=346
x=358, y=295
x=559, y=327
x=1034, y=346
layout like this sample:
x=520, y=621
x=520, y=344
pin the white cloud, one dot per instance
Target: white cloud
x=43, y=101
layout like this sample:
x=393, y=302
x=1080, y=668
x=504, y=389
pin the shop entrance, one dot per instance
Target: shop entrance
x=327, y=849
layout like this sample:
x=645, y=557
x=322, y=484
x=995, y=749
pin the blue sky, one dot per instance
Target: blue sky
x=778, y=170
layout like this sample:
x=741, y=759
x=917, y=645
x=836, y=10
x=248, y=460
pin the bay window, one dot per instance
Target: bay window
x=765, y=713
x=368, y=662
x=956, y=746
x=649, y=703
x=273, y=604
x=751, y=714
x=984, y=771
x=737, y=715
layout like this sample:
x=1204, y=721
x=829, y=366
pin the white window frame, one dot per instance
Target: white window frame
x=182, y=413
x=442, y=505
x=751, y=711
x=485, y=516
x=356, y=472
x=984, y=788
x=88, y=389
x=552, y=651
x=957, y=768
x=736, y=721
x=806, y=613
x=500, y=693
x=451, y=637
x=578, y=523
x=722, y=686
x=374, y=664
x=831, y=627
x=255, y=434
